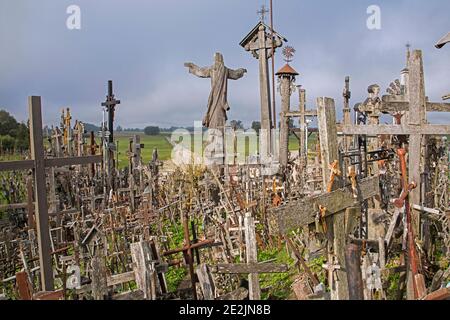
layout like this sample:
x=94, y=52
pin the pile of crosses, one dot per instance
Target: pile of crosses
x=370, y=199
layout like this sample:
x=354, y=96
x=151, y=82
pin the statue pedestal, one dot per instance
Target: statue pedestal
x=214, y=151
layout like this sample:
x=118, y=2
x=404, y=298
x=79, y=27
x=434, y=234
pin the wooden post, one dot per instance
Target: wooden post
x=354, y=274
x=99, y=279
x=326, y=114
x=252, y=256
x=41, y=208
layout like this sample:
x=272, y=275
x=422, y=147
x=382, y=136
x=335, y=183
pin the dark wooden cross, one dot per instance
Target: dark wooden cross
x=110, y=105
x=38, y=164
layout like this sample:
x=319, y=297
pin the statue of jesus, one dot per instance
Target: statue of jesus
x=216, y=115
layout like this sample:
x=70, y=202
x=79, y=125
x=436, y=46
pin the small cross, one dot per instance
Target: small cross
x=262, y=13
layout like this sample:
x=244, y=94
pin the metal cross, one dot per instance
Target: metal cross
x=262, y=13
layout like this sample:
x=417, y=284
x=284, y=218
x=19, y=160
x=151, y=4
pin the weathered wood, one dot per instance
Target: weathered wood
x=206, y=282
x=238, y=294
x=42, y=224
x=121, y=278
x=441, y=294
x=62, y=162
x=144, y=271
x=249, y=268
x=402, y=129
x=24, y=286
x=326, y=117
x=99, y=283
x=16, y=165
x=354, y=274
x=252, y=256
x=302, y=212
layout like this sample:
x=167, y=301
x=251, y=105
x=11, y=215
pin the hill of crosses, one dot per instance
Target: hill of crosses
x=321, y=199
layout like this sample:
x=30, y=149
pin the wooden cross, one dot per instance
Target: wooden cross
x=303, y=114
x=38, y=164
x=110, y=105
x=416, y=104
x=251, y=267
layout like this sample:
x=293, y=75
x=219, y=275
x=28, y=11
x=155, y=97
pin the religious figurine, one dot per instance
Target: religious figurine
x=216, y=116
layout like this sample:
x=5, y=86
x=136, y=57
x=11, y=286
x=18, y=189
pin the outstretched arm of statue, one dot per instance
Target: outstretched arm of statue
x=196, y=70
x=236, y=74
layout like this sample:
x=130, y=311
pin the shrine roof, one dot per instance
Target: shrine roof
x=443, y=41
x=287, y=69
x=254, y=32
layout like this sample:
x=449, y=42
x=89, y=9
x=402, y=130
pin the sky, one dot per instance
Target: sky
x=142, y=46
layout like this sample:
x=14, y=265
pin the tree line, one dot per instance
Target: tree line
x=14, y=136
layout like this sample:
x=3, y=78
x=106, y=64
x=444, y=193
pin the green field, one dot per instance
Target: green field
x=164, y=147
x=150, y=142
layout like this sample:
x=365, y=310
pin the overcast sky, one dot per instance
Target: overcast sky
x=142, y=45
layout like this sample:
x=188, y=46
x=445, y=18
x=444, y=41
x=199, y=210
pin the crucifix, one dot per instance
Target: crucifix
x=39, y=164
x=110, y=106
x=262, y=42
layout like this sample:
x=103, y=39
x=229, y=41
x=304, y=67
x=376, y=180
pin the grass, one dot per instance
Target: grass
x=150, y=142
x=165, y=148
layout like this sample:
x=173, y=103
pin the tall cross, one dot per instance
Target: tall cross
x=262, y=13
x=110, y=105
x=38, y=163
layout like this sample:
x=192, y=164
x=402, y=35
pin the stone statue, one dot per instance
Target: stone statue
x=216, y=116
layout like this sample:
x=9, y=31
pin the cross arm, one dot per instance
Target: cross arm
x=237, y=268
x=296, y=114
x=72, y=161
x=303, y=212
x=373, y=130
x=16, y=165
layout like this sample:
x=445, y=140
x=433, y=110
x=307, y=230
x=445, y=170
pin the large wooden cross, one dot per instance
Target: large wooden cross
x=38, y=164
x=416, y=104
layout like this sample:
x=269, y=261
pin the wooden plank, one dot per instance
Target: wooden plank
x=41, y=208
x=72, y=161
x=16, y=165
x=99, y=284
x=441, y=294
x=237, y=268
x=120, y=278
x=252, y=256
x=23, y=286
x=425, y=129
x=144, y=272
x=302, y=212
x=238, y=294
x=326, y=117
x=206, y=282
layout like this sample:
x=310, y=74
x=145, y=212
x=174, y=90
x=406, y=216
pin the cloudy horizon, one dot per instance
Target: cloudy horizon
x=142, y=47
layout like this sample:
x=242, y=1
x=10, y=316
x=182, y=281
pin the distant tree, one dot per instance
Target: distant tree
x=119, y=129
x=91, y=127
x=152, y=130
x=256, y=125
x=236, y=124
x=7, y=123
